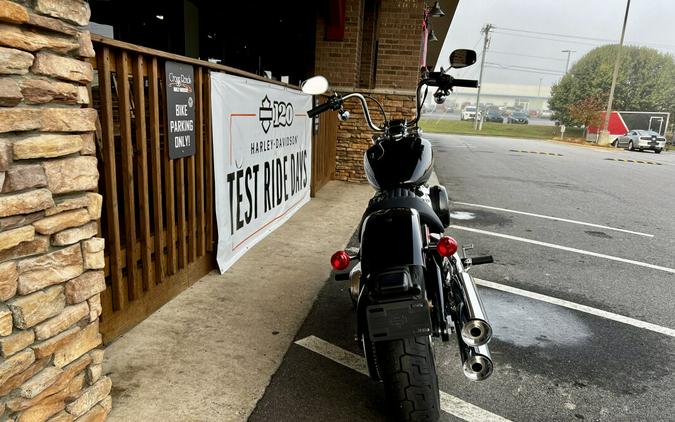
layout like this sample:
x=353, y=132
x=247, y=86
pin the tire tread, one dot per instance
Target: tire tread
x=409, y=375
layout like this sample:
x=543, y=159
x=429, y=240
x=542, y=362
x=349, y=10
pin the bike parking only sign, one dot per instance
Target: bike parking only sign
x=262, y=158
x=180, y=108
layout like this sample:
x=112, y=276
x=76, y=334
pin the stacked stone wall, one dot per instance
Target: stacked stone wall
x=51, y=260
x=354, y=136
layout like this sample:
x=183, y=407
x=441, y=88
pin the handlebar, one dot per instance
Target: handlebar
x=335, y=103
x=366, y=112
x=319, y=109
x=465, y=83
x=444, y=82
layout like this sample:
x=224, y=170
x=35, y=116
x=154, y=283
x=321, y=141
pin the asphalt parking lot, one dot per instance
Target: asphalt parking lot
x=580, y=295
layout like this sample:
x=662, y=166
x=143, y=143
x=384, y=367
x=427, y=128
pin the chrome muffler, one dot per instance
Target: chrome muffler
x=472, y=326
x=475, y=330
x=476, y=361
x=355, y=282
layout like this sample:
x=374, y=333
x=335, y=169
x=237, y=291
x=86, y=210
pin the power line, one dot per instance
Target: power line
x=523, y=70
x=579, y=37
x=527, y=55
x=526, y=70
x=556, y=35
x=524, y=67
x=476, y=43
x=546, y=39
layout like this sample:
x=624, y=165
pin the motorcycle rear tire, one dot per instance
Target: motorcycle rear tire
x=409, y=376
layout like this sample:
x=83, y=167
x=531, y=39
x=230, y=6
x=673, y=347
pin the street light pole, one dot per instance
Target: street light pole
x=569, y=53
x=486, y=31
x=604, y=134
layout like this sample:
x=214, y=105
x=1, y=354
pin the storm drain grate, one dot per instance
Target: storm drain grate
x=555, y=154
x=634, y=161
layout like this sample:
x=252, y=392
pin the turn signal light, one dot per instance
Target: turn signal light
x=446, y=246
x=339, y=261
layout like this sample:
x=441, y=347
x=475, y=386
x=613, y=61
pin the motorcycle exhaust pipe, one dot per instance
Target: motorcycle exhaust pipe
x=476, y=362
x=475, y=329
x=355, y=282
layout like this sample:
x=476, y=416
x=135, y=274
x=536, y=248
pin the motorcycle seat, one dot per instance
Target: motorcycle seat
x=405, y=198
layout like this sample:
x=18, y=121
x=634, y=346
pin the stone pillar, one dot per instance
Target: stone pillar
x=51, y=263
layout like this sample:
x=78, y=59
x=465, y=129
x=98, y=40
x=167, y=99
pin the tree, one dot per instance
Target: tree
x=587, y=111
x=646, y=82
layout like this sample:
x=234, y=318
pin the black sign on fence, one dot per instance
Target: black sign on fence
x=180, y=109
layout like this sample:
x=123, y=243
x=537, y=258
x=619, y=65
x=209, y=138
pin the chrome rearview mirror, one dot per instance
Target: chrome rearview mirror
x=462, y=58
x=315, y=85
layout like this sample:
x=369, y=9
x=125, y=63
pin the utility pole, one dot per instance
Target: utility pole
x=604, y=134
x=569, y=53
x=486, y=41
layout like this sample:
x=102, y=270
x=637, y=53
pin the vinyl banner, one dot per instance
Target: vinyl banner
x=262, y=156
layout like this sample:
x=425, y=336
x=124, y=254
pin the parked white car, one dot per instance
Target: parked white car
x=641, y=140
x=469, y=113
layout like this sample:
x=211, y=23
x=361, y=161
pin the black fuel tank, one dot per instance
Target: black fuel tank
x=399, y=162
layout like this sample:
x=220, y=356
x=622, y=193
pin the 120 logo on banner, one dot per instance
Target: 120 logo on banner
x=276, y=114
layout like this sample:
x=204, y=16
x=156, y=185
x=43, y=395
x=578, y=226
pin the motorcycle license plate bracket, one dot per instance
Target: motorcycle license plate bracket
x=398, y=320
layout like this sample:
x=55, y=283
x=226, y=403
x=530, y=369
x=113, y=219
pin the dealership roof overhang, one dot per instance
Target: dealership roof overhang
x=441, y=25
x=273, y=36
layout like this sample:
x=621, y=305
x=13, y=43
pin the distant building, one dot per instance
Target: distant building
x=526, y=97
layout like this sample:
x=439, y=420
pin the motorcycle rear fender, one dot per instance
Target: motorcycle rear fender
x=392, y=260
x=391, y=238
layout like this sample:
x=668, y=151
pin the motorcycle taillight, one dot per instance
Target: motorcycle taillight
x=339, y=261
x=446, y=246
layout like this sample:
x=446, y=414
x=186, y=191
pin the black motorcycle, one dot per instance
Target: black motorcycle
x=409, y=283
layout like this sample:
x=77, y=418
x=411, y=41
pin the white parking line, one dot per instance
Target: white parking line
x=566, y=248
x=578, y=307
x=450, y=404
x=548, y=217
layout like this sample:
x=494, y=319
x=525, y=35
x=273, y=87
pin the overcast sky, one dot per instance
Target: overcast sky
x=650, y=23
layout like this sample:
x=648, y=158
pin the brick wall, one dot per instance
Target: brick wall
x=51, y=262
x=395, y=28
x=366, y=76
x=339, y=61
x=399, y=32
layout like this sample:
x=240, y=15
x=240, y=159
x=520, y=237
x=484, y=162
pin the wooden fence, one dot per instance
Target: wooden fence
x=158, y=218
x=323, y=150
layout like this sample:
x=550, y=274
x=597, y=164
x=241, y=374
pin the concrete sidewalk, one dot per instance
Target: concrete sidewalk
x=209, y=354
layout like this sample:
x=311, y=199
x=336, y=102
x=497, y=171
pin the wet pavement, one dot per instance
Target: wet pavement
x=551, y=363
